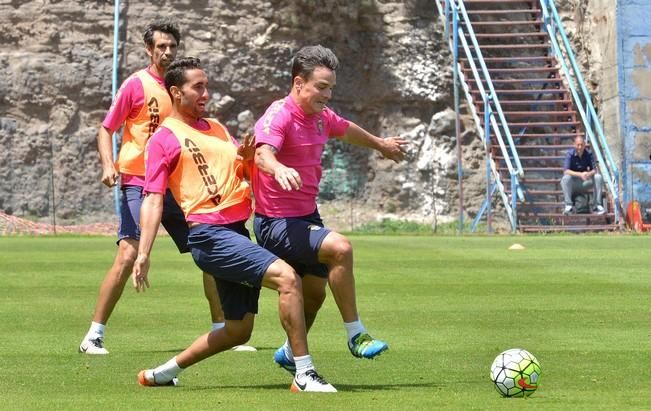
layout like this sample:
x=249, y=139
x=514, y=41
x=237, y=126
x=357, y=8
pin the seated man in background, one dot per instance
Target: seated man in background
x=580, y=175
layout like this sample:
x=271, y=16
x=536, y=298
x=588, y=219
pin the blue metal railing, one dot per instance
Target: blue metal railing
x=114, y=88
x=454, y=12
x=582, y=99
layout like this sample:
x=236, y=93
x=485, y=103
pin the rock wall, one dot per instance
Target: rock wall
x=395, y=78
x=57, y=58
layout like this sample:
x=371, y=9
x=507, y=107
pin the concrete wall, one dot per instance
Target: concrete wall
x=634, y=60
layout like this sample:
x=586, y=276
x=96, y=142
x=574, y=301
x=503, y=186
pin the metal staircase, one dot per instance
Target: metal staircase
x=517, y=70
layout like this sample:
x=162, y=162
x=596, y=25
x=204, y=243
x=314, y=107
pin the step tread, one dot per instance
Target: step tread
x=527, y=91
x=515, y=58
x=517, y=69
x=536, y=113
x=520, y=80
x=512, y=46
x=527, y=102
x=513, y=11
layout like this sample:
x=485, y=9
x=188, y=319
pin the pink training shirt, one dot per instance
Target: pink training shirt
x=127, y=104
x=162, y=156
x=299, y=139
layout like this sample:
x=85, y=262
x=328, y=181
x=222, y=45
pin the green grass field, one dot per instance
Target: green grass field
x=447, y=306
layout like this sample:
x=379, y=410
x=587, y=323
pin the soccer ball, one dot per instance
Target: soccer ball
x=515, y=373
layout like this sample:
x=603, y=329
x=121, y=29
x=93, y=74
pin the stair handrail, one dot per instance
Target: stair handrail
x=591, y=122
x=489, y=82
x=510, y=154
x=489, y=121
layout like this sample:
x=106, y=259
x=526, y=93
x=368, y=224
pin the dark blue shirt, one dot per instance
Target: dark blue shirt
x=575, y=163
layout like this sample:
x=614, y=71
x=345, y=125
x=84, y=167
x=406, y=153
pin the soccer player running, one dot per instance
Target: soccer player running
x=204, y=169
x=290, y=137
x=140, y=105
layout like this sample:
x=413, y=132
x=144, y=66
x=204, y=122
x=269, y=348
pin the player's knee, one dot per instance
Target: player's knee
x=241, y=336
x=340, y=247
x=127, y=251
x=288, y=280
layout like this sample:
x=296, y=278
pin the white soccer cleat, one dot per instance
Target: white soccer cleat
x=568, y=209
x=147, y=378
x=310, y=381
x=599, y=210
x=93, y=346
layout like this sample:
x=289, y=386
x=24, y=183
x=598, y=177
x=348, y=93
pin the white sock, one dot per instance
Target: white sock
x=167, y=371
x=96, y=330
x=354, y=328
x=288, y=350
x=218, y=326
x=303, y=364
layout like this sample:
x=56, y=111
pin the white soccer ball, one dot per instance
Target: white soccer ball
x=516, y=373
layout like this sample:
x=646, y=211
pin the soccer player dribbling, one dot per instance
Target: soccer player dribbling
x=290, y=138
x=204, y=169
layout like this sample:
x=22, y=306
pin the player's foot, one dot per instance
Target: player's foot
x=599, y=210
x=244, y=348
x=93, y=346
x=280, y=357
x=310, y=381
x=147, y=378
x=364, y=346
x=568, y=209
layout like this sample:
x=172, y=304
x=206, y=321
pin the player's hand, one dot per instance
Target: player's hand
x=246, y=150
x=110, y=176
x=394, y=148
x=139, y=274
x=288, y=178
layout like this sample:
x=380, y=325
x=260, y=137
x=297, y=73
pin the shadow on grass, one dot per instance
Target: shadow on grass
x=340, y=387
x=177, y=350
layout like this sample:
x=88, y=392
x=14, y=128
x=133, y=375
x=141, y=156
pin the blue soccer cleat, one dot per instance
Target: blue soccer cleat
x=280, y=357
x=364, y=346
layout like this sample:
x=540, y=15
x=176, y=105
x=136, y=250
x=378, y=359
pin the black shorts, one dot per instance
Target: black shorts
x=296, y=240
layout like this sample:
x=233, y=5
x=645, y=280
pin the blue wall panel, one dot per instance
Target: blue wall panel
x=634, y=54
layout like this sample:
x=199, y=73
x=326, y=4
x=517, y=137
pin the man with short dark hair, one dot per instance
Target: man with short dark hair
x=198, y=161
x=140, y=105
x=580, y=175
x=290, y=138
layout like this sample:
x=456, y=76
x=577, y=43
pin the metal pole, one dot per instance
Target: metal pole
x=54, y=207
x=114, y=88
x=487, y=137
x=457, y=123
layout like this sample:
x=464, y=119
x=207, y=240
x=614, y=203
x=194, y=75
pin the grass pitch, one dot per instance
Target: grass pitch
x=446, y=305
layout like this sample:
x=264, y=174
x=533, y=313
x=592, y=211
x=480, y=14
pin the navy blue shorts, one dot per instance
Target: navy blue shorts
x=227, y=253
x=173, y=219
x=296, y=240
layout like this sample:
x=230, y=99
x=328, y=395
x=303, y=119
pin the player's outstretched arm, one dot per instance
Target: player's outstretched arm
x=150, y=216
x=105, y=149
x=393, y=148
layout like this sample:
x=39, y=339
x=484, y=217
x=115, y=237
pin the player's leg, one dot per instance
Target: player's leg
x=233, y=333
x=226, y=253
x=216, y=312
x=282, y=278
x=177, y=227
x=313, y=297
x=210, y=291
x=336, y=252
x=117, y=276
